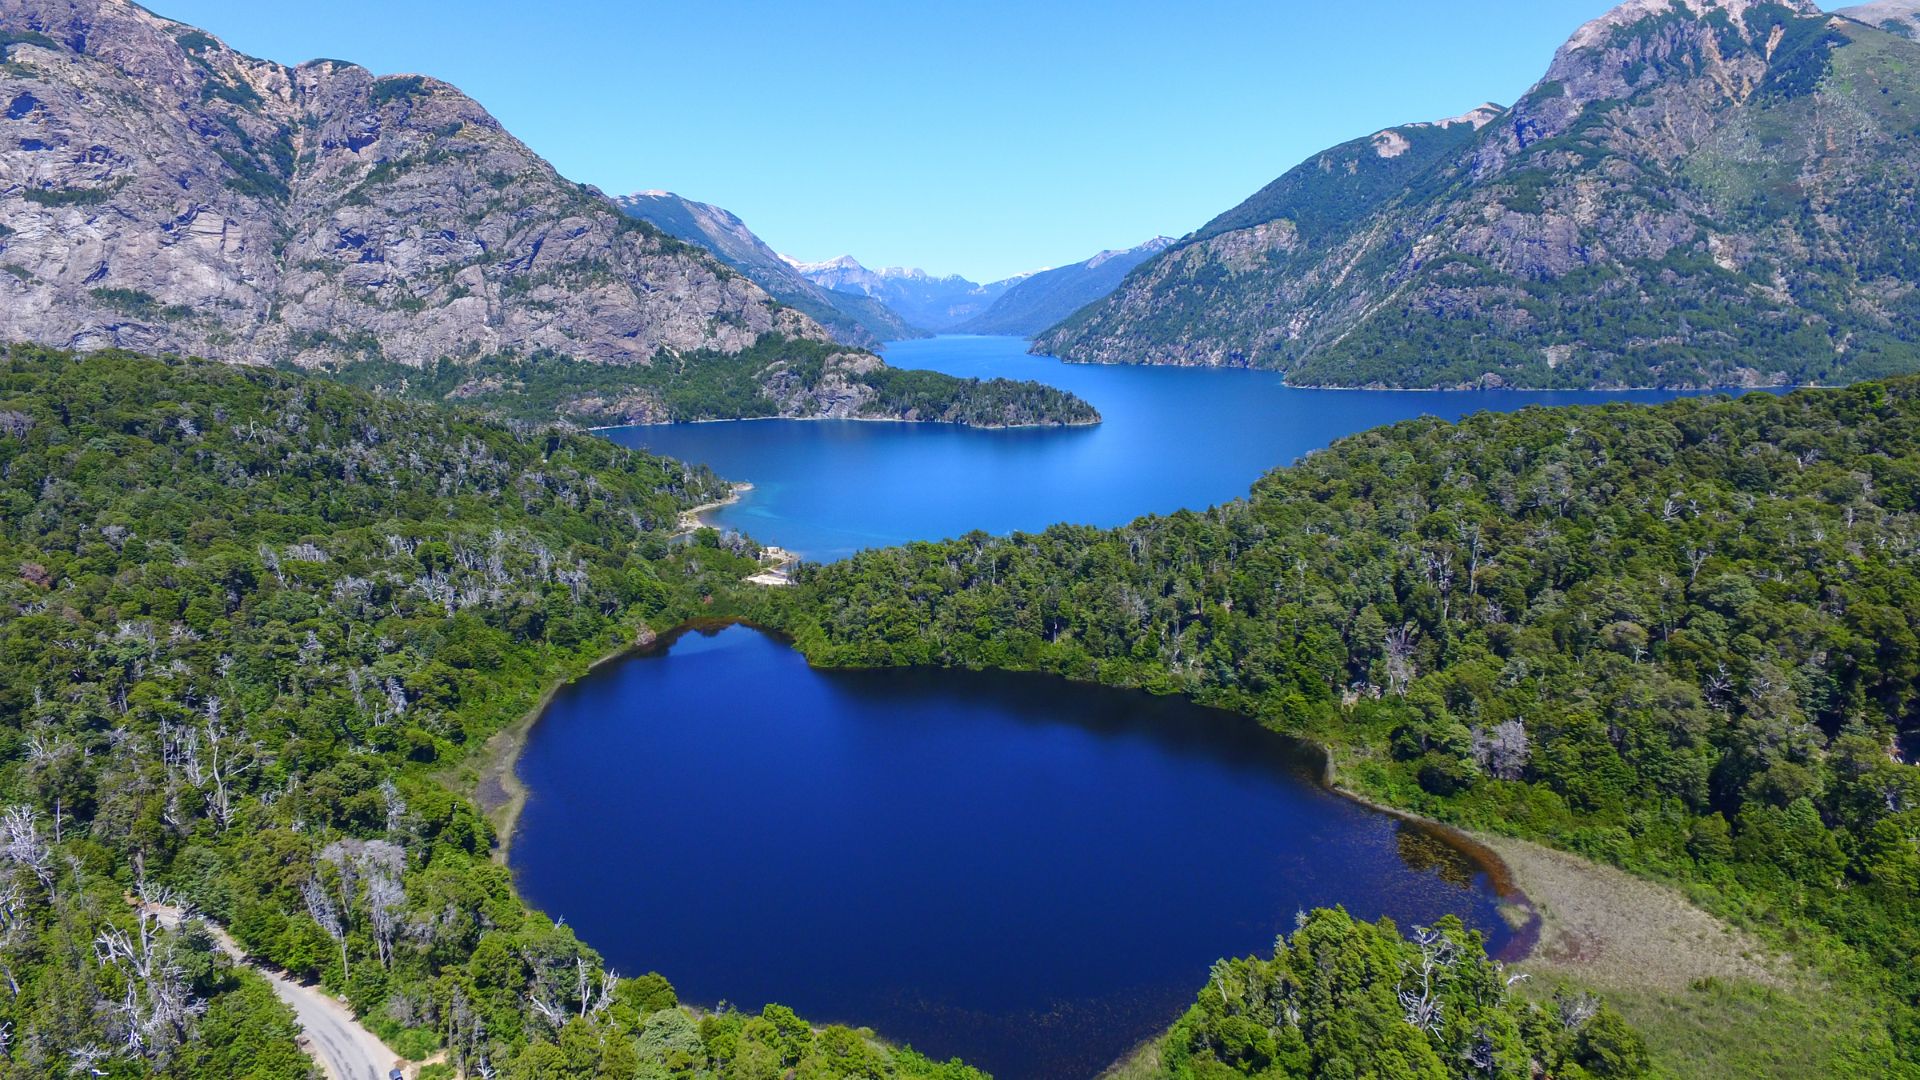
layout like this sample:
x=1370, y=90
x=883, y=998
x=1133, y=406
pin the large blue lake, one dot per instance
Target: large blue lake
x=1030, y=874
x=1173, y=438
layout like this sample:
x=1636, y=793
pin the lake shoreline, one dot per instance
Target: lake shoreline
x=1381, y=388
x=1501, y=878
x=1318, y=766
x=499, y=791
x=691, y=519
x=852, y=420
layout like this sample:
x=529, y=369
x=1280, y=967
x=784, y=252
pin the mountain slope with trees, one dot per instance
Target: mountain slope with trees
x=1698, y=193
x=1682, y=639
x=1044, y=298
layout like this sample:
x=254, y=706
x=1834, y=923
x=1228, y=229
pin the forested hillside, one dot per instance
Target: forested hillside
x=1683, y=639
x=1697, y=193
x=247, y=618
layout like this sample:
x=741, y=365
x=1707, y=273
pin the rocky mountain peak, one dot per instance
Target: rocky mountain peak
x=844, y=262
x=1642, y=40
x=1678, y=61
x=1477, y=117
x=1632, y=12
x=164, y=192
x=1151, y=247
x=1698, y=192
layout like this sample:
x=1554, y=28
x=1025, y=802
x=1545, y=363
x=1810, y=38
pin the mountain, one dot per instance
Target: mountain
x=160, y=191
x=1049, y=296
x=1897, y=16
x=1699, y=192
x=939, y=304
x=853, y=319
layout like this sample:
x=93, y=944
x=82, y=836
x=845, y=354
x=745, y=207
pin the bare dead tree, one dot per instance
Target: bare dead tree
x=154, y=1015
x=226, y=760
x=1421, y=1002
x=1400, y=667
x=386, y=900
x=21, y=842
x=320, y=905
x=594, y=989
x=86, y=1060
x=1504, y=751
x=1576, y=1009
x=396, y=806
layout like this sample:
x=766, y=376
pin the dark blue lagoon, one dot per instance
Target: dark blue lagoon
x=1173, y=438
x=1029, y=873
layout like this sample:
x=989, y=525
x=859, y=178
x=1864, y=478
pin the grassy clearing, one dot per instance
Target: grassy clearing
x=1711, y=1000
x=1141, y=1063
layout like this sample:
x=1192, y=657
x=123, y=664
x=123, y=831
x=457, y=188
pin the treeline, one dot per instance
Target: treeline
x=778, y=376
x=1682, y=639
x=248, y=619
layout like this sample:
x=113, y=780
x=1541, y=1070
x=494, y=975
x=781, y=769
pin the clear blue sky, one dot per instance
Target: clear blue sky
x=984, y=138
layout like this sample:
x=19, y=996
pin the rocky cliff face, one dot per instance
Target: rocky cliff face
x=1700, y=192
x=161, y=191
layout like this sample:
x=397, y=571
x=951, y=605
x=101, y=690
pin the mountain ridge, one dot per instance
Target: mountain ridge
x=1894, y=16
x=1697, y=193
x=311, y=204
x=939, y=303
x=852, y=319
x=1045, y=297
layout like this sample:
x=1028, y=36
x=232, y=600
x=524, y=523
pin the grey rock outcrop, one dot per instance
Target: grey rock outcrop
x=163, y=192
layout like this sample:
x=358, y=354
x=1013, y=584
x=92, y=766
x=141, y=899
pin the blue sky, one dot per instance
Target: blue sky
x=983, y=138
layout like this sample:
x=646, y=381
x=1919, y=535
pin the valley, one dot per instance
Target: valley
x=1451, y=615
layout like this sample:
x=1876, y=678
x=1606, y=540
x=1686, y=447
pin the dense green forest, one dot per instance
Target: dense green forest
x=776, y=377
x=1682, y=639
x=250, y=620
x=1341, y=997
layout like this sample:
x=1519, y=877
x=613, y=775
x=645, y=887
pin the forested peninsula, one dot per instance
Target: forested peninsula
x=1679, y=639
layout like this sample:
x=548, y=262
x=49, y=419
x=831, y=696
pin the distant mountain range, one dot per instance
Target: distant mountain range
x=1045, y=298
x=853, y=318
x=938, y=304
x=1698, y=193
x=162, y=192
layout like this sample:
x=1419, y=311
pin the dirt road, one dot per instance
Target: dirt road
x=344, y=1048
